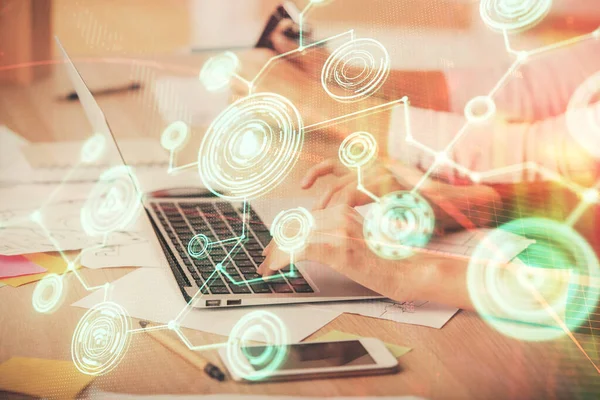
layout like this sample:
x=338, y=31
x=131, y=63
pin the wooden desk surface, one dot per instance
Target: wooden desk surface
x=465, y=359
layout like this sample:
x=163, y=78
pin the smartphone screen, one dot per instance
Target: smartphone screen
x=314, y=355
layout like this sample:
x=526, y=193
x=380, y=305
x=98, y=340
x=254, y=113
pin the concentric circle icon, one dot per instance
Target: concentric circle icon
x=397, y=224
x=583, y=116
x=101, y=339
x=174, y=136
x=256, y=363
x=114, y=202
x=358, y=149
x=251, y=147
x=480, y=109
x=355, y=70
x=217, y=71
x=93, y=148
x=531, y=298
x=48, y=293
x=291, y=229
x=199, y=247
x=513, y=16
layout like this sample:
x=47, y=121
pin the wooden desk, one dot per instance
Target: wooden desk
x=465, y=359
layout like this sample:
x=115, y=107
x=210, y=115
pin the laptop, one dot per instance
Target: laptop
x=171, y=222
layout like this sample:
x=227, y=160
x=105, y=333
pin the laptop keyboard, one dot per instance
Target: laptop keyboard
x=220, y=222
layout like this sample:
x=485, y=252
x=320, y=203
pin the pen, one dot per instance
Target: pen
x=112, y=90
x=182, y=351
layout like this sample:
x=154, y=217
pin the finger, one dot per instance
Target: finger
x=329, y=166
x=322, y=202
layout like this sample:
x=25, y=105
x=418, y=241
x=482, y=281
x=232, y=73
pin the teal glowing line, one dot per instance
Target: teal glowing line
x=228, y=256
x=301, y=23
x=186, y=341
x=173, y=169
x=361, y=188
x=233, y=239
x=148, y=329
x=53, y=241
x=263, y=69
x=186, y=308
x=354, y=115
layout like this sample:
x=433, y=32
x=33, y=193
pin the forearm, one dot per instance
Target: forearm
x=425, y=89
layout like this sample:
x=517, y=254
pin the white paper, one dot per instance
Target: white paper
x=13, y=165
x=133, y=255
x=425, y=313
x=20, y=235
x=147, y=293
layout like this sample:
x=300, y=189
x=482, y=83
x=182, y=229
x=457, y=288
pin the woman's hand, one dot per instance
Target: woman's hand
x=337, y=240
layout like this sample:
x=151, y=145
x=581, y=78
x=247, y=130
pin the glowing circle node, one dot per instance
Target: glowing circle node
x=355, y=70
x=513, y=16
x=93, y=148
x=583, y=115
x=259, y=362
x=530, y=298
x=114, y=202
x=101, y=339
x=398, y=223
x=591, y=196
x=174, y=136
x=36, y=216
x=218, y=71
x=358, y=149
x=291, y=229
x=480, y=109
x=199, y=246
x=251, y=147
x=48, y=293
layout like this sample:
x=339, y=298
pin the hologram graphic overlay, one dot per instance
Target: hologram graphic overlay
x=355, y=70
x=259, y=326
x=174, y=136
x=358, y=149
x=93, y=148
x=398, y=223
x=251, y=147
x=101, y=339
x=583, y=115
x=114, y=203
x=48, y=293
x=291, y=228
x=513, y=16
x=530, y=298
x=217, y=72
x=199, y=246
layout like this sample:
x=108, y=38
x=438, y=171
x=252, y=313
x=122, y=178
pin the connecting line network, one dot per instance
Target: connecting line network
x=119, y=200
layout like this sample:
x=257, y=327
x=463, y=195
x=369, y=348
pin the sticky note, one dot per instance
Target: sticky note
x=42, y=378
x=53, y=264
x=331, y=336
x=12, y=266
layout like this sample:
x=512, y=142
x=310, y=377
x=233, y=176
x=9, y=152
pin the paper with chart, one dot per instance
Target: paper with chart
x=20, y=235
x=133, y=255
x=423, y=312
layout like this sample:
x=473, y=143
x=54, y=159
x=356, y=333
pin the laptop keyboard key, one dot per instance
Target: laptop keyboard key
x=219, y=290
x=303, y=289
x=240, y=289
x=281, y=288
x=260, y=288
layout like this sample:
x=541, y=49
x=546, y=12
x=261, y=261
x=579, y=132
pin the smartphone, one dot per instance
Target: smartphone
x=286, y=10
x=365, y=356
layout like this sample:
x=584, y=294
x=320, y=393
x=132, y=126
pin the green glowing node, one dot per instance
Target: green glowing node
x=582, y=115
x=93, y=148
x=291, y=229
x=530, y=298
x=218, y=71
x=174, y=136
x=591, y=196
x=513, y=16
x=114, y=202
x=251, y=147
x=257, y=363
x=199, y=247
x=355, y=70
x=48, y=294
x=101, y=339
x=480, y=109
x=358, y=149
x=36, y=216
x=398, y=223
